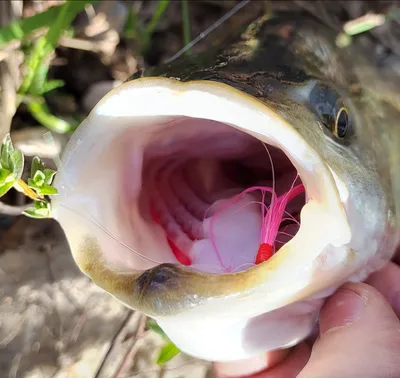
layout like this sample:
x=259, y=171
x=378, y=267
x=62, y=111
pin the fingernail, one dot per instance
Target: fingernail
x=342, y=309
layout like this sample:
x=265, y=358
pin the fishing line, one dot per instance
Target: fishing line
x=241, y=266
x=110, y=234
x=204, y=34
x=266, y=219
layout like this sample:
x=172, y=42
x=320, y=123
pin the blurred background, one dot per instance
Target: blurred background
x=57, y=59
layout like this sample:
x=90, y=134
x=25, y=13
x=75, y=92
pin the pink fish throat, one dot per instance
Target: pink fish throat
x=274, y=217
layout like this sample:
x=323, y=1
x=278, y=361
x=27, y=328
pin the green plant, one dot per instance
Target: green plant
x=35, y=83
x=38, y=187
x=142, y=35
x=186, y=23
x=169, y=350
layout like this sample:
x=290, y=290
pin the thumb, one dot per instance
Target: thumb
x=359, y=337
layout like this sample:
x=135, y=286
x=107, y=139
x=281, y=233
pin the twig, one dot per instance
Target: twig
x=209, y=30
x=78, y=44
x=9, y=69
x=78, y=327
x=130, y=355
x=15, y=366
x=8, y=49
x=13, y=334
x=12, y=210
x=113, y=341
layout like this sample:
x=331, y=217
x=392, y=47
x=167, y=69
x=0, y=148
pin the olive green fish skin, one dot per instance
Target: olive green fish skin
x=166, y=289
x=280, y=62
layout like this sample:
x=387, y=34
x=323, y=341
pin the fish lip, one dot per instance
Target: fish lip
x=179, y=92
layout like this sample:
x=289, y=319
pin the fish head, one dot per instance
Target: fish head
x=158, y=194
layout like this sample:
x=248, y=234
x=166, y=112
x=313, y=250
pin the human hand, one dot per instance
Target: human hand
x=359, y=336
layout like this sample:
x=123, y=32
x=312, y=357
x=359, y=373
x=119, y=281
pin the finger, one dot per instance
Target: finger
x=250, y=366
x=356, y=325
x=387, y=282
x=289, y=367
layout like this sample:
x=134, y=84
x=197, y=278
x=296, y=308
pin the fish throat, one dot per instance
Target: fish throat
x=213, y=198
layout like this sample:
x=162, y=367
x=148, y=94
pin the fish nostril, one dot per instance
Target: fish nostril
x=159, y=278
x=156, y=278
x=162, y=275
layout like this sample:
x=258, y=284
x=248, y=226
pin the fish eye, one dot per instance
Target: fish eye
x=327, y=104
x=341, y=123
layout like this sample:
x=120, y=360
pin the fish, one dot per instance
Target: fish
x=174, y=192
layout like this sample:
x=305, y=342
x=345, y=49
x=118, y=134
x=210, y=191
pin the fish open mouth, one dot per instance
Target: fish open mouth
x=215, y=199
x=197, y=174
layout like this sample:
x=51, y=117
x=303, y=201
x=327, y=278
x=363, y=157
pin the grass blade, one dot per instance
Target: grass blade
x=168, y=351
x=157, y=329
x=186, y=24
x=41, y=113
x=130, y=28
x=159, y=11
x=150, y=27
x=67, y=14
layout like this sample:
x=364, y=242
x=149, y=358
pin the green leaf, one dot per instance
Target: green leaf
x=32, y=62
x=158, y=12
x=41, y=205
x=39, y=178
x=130, y=24
x=38, y=83
x=49, y=175
x=41, y=113
x=48, y=190
x=4, y=176
x=186, y=23
x=363, y=24
x=32, y=184
x=51, y=85
x=153, y=325
x=17, y=163
x=151, y=26
x=37, y=164
x=30, y=212
x=6, y=149
x=11, y=160
x=40, y=213
x=22, y=28
x=169, y=351
x=6, y=187
x=67, y=14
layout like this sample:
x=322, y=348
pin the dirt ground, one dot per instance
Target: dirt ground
x=53, y=321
